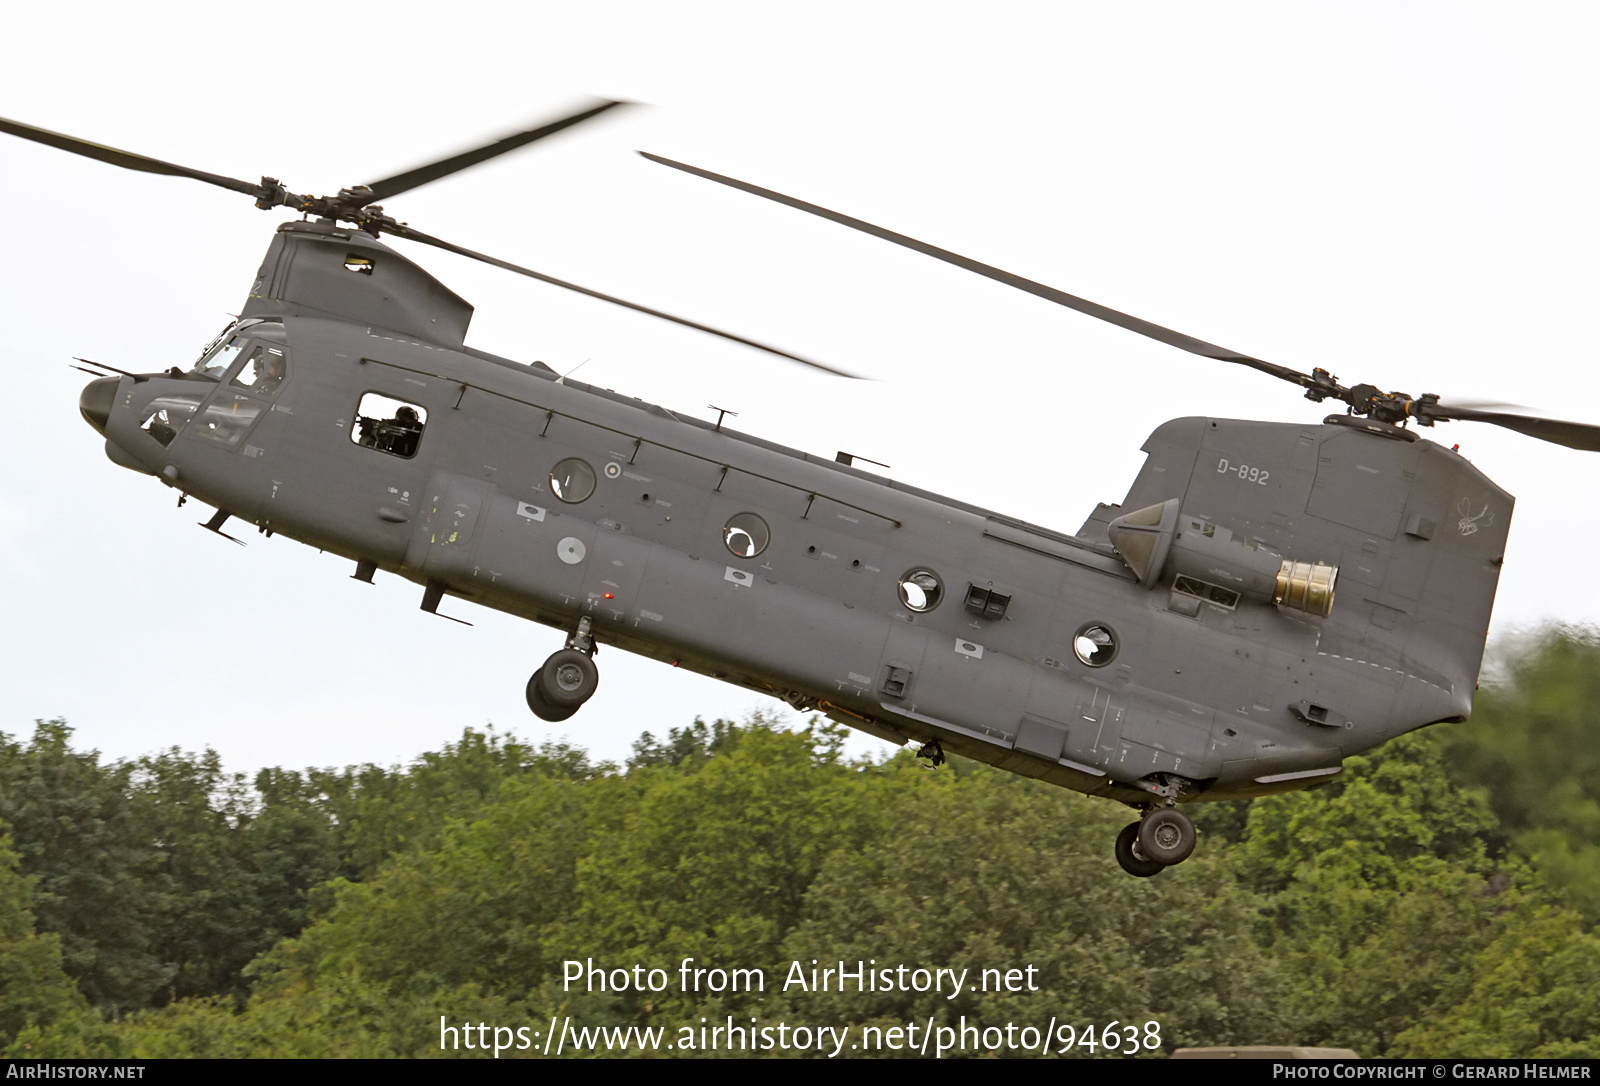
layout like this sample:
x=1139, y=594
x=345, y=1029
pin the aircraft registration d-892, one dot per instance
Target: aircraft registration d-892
x=1267, y=599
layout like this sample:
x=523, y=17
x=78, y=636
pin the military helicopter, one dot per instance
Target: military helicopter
x=1185, y=644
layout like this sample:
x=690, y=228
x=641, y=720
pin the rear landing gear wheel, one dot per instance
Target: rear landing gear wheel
x=1166, y=836
x=1131, y=858
x=542, y=708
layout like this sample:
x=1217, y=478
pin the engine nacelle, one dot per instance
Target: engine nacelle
x=1210, y=562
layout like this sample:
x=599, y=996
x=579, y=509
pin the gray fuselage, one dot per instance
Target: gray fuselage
x=1198, y=686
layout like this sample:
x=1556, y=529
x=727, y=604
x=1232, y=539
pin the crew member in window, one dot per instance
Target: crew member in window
x=400, y=434
x=272, y=377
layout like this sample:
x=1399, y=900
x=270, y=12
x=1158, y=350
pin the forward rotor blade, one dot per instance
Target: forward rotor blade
x=1574, y=435
x=400, y=230
x=404, y=182
x=126, y=159
x=1060, y=297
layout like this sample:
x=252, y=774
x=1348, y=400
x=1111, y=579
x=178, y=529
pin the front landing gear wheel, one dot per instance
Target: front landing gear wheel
x=542, y=708
x=568, y=679
x=1131, y=857
x=1166, y=836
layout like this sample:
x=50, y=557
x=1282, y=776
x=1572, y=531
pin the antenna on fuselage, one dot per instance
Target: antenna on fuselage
x=563, y=378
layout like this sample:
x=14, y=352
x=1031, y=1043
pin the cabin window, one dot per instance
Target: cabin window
x=361, y=265
x=1095, y=644
x=746, y=535
x=389, y=425
x=921, y=590
x=572, y=480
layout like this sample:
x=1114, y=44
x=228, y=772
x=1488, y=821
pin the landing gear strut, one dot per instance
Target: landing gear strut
x=566, y=680
x=1163, y=837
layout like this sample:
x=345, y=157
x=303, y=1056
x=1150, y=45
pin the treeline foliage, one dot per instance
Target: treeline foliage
x=1439, y=898
x=165, y=877
x=1534, y=743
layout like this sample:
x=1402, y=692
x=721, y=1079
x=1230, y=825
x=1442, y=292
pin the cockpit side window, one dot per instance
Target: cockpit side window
x=389, y=425
x=265, y=368
x=166, y=416
x=215, y=362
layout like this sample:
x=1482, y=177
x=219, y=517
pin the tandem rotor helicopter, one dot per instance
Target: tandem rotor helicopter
x=1266, y=599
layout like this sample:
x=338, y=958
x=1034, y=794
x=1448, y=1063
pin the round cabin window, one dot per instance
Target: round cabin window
x=572, y=480
x=1095, y=645
x=921, y=590
x=746, y=535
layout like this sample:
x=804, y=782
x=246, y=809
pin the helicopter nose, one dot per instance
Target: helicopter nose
x=96, y=399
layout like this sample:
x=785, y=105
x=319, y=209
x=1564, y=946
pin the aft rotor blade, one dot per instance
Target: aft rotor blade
x=403, y=231
x=126, y=159
x=1574, y=435
x=1060, y=297
x=404, y=182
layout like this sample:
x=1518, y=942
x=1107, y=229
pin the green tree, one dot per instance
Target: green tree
x=1384, y=900
x=295, y=841
x=1390, y=911
x=695, y=743
x=1534, y=743
x=715, y=859
x=385, y=813
x=207, y=921
x=79, y=835
x=1526, y=988
x=33, y=988
x=1389, y=809
x=984, y=870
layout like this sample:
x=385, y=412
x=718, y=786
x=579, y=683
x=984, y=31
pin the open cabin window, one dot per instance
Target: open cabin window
x=166, y=416
x=389, y=425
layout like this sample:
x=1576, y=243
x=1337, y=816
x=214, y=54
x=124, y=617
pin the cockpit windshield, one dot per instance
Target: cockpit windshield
x=221, y=352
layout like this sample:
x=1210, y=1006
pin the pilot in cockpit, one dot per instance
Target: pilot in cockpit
x=272, y=375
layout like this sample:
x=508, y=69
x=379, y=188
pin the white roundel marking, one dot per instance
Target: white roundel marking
x=571, y=550
x=613, y=470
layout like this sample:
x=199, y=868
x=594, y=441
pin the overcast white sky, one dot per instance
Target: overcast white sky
x=1403, y=193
